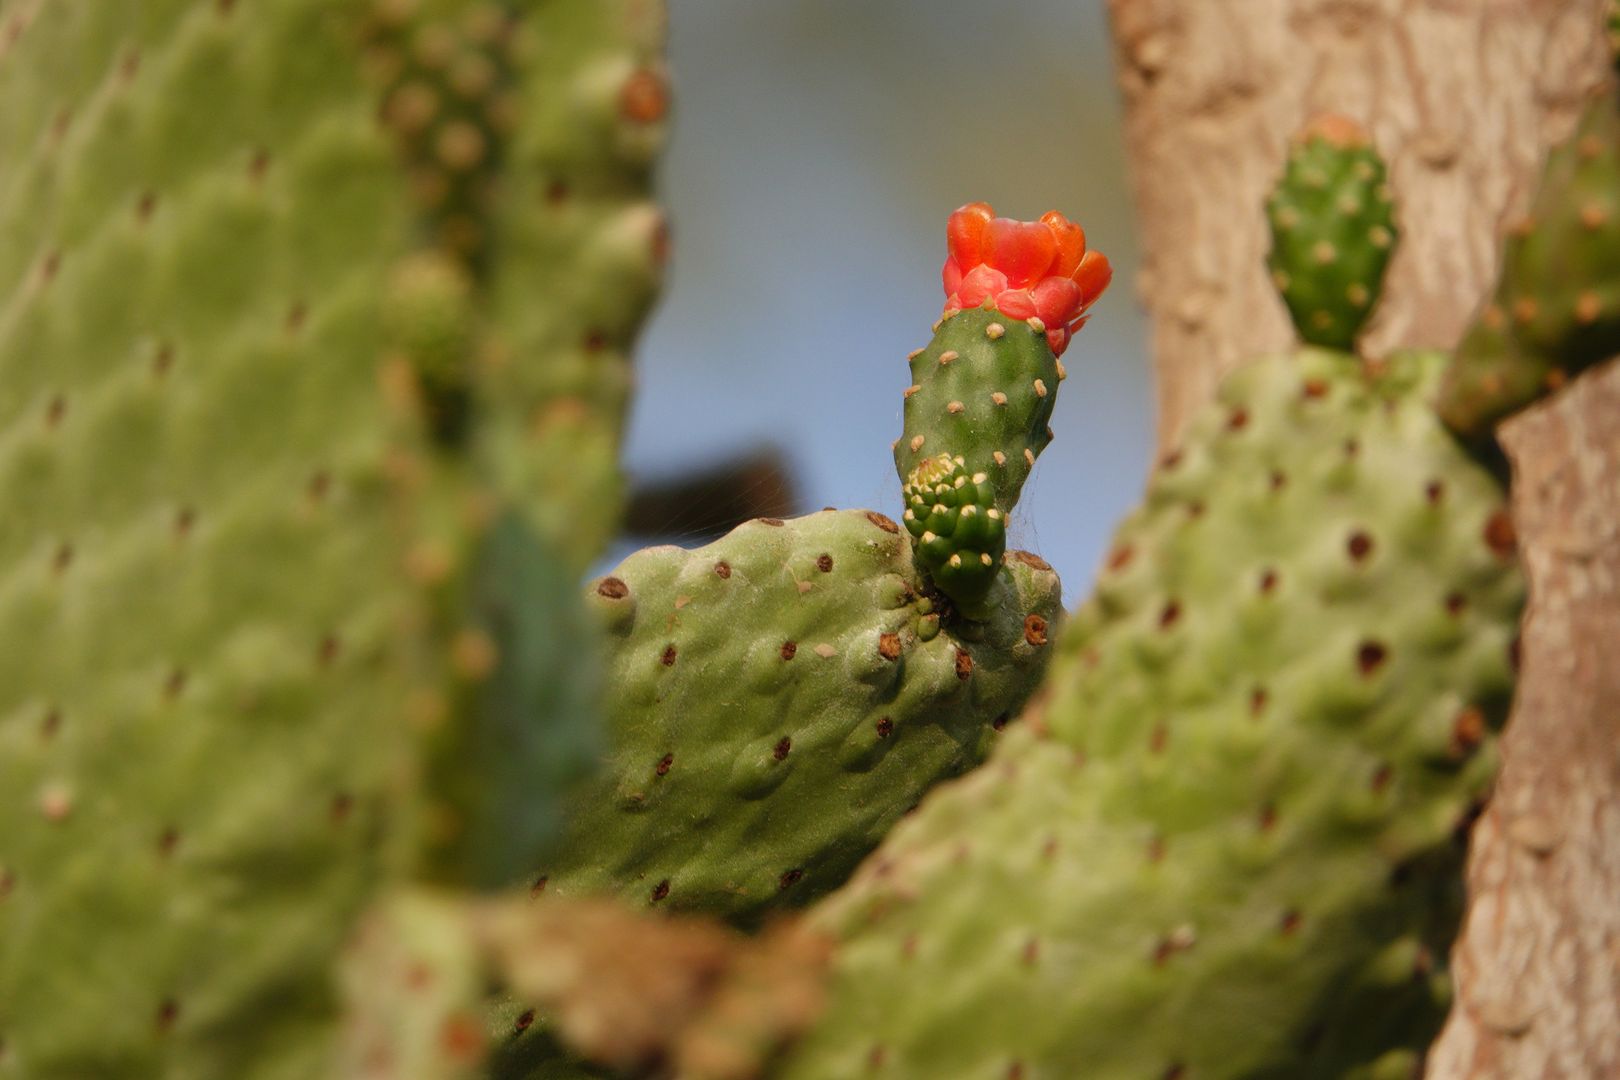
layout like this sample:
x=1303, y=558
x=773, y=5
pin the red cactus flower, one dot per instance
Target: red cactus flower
x=1027, y=269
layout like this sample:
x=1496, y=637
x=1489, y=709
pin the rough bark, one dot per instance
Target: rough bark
x=1463, y=97
x=1538, y=963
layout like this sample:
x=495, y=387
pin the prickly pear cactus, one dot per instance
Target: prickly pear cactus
x=983, y=390
x=1332, y=231
x=1226, y=845
x=1556, y=308
x=777, y=699
x=248, y=374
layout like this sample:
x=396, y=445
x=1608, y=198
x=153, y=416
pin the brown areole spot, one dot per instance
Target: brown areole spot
x=1370, y=656
x=668, y=657
x=1035, y=630
x=1500, y=535
x=613, y=588
x=644, y=97
x=1030, y=559
x=889, y=646
x=722, y=569
x=663, y=766
x=882, y=522
x=964, y=664
x=782, y=748
x=789, y=650
x=1467, y=731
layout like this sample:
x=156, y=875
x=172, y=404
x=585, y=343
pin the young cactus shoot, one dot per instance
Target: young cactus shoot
x=982, y=391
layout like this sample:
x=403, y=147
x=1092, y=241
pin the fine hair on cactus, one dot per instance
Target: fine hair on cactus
x=408, y=674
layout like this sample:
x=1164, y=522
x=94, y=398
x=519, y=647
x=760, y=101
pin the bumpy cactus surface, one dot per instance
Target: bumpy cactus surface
x=256, y=371
x=983, y=390
x=1225, y=846
x=1556, y=308
x=961, y=534
x=780, y=697
x=1332, y=231
x=777, y=699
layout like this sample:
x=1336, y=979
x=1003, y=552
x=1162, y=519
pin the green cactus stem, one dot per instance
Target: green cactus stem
x=254, y=396
x=1225, y=845
x=960, y=532
x=983, y=390
x=776, y=700
x=1556, y=308
x=1332, y=231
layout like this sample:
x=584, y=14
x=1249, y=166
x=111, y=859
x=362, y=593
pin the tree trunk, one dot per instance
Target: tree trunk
x=1538, y=964
x=1463, y=97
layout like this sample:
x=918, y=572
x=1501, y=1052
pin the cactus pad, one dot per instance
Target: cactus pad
x=777, y=700
x=1556, y=309
x=1332, y=231
x=1225, y=845
x=983, y=390
x=228, y=296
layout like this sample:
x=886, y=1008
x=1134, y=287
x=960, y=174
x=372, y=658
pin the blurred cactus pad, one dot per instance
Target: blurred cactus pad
x=301, y=299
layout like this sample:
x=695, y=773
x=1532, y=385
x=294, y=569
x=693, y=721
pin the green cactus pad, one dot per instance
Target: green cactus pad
x=1556, y=309
x=1225, y=846
x=982, y=390
x=1332, y=232
x=578, y=263
x=218, y=660
x=413, y=982
x=959, y=532
x=777, y=700
x=199, y=622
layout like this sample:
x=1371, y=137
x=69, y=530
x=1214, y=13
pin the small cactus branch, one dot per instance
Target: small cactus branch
x=1556, y=309
x=983, y=390
x=1332, y=231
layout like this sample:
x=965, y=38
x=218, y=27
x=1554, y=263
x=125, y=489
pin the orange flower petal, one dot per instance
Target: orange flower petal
x=1057, y=299
x=1092, y=275
x=1015, y=303
x=979, y=284
x=951, y=275
x=964, y=234
x=1020, y=249
x=1071, y=243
